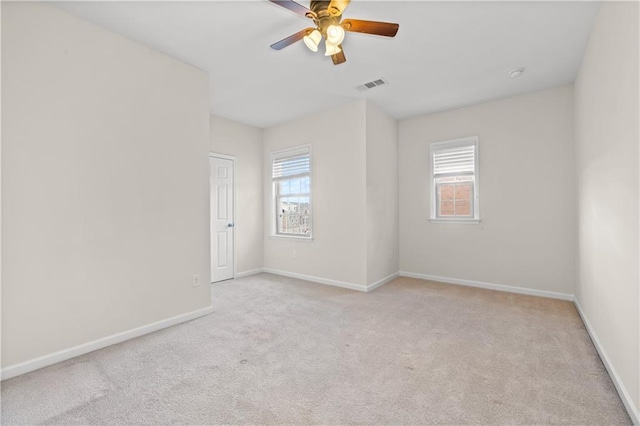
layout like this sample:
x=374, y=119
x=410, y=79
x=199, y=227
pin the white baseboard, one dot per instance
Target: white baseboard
x=65, y=354
x=383, y=281
x=319, y=280
x=622, y=391
x=489, y=286
x=249, y=273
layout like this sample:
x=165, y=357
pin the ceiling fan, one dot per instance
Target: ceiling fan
x=327, y=17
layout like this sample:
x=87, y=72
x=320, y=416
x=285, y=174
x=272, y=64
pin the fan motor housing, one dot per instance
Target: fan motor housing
x=317, y=6
x=322, y=17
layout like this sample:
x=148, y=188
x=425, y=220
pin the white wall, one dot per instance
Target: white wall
x=338, y=184
x=525, y=237
x=382, y=194
x=606, y=149
x=245, y=143
x=104, y=186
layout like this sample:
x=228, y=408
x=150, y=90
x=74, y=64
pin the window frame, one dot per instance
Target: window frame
x=451, y=144
x=275, y=196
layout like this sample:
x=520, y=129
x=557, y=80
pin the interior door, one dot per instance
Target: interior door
x=222, y=226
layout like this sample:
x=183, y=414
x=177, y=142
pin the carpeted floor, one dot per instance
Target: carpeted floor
x=283, y=351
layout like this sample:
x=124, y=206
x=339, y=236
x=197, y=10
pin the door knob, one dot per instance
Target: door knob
x=230, y=225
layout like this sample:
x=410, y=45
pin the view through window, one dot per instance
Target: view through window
x=291, y=174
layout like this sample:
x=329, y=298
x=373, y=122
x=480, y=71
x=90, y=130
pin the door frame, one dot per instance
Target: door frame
x=233, y=160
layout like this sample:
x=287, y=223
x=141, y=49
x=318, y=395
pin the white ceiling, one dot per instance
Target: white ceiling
x=446, y=54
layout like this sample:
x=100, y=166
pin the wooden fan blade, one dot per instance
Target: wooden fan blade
x=386, y=29
x=337, y=7
x=291, y=39
x=339, y=58
x=292, y=6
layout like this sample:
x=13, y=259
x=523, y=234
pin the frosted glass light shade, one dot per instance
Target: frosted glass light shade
x=335, y=34
x=312, y=40
x=332, y=49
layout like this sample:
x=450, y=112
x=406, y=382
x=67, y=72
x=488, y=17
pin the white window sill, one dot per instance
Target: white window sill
x=461, y=221
x=291, y=237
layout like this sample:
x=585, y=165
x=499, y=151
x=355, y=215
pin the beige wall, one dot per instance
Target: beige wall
x=338, y=184
x=104, y=183
x=606, y=149
x=382, y=195
x=526, y=194
x=245, y=143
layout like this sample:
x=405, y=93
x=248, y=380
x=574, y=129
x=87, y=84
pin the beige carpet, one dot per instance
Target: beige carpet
x=283, y=351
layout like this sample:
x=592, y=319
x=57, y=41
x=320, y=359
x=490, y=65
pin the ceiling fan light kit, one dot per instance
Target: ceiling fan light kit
x=312, y=40
x=335, y=34
x=327, y=17
x=332, y=49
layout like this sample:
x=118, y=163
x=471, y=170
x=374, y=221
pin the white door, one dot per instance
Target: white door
x=222, y=226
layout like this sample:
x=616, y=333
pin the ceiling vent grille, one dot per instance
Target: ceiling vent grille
x=372, y=84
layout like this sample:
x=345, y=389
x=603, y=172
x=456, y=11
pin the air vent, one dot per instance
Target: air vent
x=371, y=84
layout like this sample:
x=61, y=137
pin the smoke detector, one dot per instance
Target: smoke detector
x=516, y=73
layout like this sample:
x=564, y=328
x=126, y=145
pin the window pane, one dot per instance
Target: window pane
x=305, y=185
x=447, y=192
x=294, y=186
x=294, y=215
x=455, y=197
x=446, y=208
x=462, y=208
x=299, y=185
x=463, y=191
x=283, y=187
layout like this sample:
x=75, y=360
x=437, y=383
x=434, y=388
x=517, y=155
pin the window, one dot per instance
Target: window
x=291, y=182
x=454, y=179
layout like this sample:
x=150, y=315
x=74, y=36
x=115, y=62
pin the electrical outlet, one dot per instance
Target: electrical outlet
x=196, y=280
x=294, y=254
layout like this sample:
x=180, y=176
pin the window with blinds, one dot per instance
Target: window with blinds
x=454, y=180
x=291, y=183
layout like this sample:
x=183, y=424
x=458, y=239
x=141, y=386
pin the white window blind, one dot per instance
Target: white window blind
x=454, y=161
x=291, y=165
